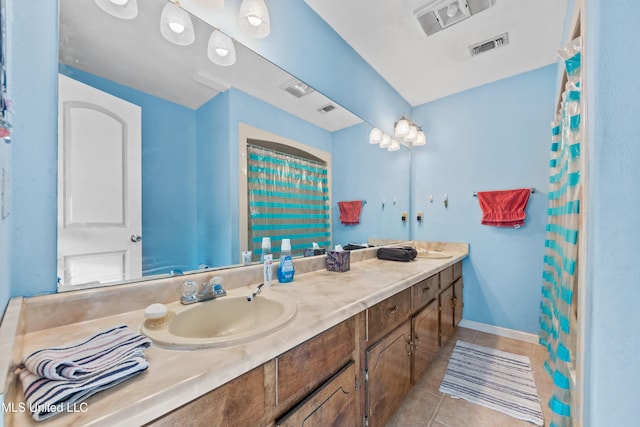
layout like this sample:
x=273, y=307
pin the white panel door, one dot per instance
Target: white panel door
x=99, y=186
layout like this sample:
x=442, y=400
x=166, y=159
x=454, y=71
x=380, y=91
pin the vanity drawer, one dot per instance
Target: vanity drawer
x=321, y=356
x=457, y=270
x=424, y=291
x=446, y=277
x=386, y=315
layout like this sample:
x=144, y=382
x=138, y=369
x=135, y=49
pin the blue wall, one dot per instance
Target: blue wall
x=362, y=171
x=612, y=345
x=32, y=38
x=493, y=137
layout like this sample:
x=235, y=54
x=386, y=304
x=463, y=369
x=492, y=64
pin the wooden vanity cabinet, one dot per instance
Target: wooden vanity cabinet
x=240, y=402
x=383, y=317
x=450, y=306
x=332, y=404
x=424, y=327
x=388, y=377
x=307, y=366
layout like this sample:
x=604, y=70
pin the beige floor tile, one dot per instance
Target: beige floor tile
x=417, y=410
x=460, y=413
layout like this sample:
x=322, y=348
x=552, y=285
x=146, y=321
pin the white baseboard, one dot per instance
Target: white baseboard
x=500, y=331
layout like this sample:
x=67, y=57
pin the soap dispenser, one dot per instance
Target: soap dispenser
x=286, y=269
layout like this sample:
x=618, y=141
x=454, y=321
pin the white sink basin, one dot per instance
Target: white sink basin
x=223, y=321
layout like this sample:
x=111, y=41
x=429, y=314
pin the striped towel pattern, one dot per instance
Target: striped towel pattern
x=55, y=378
x=496, y=379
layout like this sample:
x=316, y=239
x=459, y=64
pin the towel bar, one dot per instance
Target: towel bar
x=533, y=190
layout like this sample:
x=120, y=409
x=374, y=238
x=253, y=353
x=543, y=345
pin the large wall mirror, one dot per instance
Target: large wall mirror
x=188, y=111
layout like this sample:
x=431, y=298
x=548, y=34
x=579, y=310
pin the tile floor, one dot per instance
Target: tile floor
x=426, y=406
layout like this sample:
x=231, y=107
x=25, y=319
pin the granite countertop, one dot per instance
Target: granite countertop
x=175, y=377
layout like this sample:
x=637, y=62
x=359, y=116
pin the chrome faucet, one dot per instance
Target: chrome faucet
x=211, y=290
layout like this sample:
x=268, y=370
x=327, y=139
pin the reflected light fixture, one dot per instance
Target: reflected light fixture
x=123, y=9
x=394, y=146
x=254, y=18
x=220, y=49
x=386, y=141
x=176, y=25
x=402, y=127
x=413, y=134
x=375, y=136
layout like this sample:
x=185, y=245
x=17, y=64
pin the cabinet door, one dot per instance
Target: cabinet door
x=332, y=404
x=389, y=374
x=425, y=339
x=446, y=301
x=457, y=301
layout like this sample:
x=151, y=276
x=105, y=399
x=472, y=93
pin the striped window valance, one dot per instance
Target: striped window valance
x=288, y=198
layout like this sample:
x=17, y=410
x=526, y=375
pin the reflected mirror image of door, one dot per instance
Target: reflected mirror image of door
x=99, y=187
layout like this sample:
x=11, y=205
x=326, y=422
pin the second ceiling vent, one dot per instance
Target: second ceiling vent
x=487, y=45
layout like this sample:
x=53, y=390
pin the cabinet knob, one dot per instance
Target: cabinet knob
x=392, y=310
x=425, y=290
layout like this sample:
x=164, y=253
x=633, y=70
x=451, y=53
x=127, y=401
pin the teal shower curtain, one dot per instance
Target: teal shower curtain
x=558, y=309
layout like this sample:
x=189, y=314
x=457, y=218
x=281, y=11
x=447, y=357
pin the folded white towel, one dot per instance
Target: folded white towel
x=88, y=357
x=55, y=379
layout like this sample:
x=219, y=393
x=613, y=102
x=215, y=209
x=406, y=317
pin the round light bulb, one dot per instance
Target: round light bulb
x=412, y=135
x=222, y=51
x=402, y=128
x=386, y=141
x=375, y=136
x=176, y=27
x=119, y=2
x=254, y=20
x=452, y=9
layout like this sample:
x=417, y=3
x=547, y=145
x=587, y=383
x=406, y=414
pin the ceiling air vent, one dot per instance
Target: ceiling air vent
x=327, y=108
x=487, y=45
x=297, y=88
x=438, y=15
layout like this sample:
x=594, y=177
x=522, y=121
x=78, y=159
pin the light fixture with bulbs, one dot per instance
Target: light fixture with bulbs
x=409, y=131
x=254, y=18
x=176, y=25
x=220, y=49
x=123, y=9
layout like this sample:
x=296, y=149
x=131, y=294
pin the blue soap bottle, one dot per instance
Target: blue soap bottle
x=286, y=270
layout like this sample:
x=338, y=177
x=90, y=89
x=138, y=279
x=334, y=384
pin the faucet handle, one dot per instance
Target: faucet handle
x=189, y=290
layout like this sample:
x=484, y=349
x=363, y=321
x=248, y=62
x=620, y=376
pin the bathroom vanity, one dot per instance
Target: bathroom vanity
x=358, y=342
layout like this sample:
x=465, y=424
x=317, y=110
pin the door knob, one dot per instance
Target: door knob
x=135, y=238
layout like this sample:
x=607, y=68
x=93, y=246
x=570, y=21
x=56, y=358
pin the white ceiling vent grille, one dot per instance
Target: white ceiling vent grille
x=438, y=15
x=487, y=45
x=327, y=108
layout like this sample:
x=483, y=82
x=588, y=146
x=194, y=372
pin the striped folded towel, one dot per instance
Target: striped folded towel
x=57, y=378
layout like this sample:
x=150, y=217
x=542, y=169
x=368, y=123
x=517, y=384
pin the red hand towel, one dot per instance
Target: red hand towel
x=504, y=208
x=350, y=212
